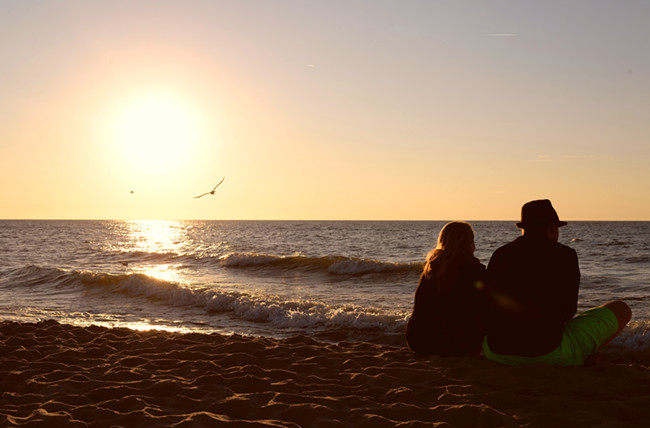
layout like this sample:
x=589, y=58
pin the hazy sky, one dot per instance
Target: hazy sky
x=431, y=110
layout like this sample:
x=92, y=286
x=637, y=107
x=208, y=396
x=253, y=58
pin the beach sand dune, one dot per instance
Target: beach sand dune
x=60, y=375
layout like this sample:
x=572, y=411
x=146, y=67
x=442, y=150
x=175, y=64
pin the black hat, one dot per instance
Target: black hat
x=539, y=212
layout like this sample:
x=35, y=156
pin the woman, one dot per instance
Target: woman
x=449, y=306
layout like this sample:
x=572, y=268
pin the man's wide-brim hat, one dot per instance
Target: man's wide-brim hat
x=539, y=212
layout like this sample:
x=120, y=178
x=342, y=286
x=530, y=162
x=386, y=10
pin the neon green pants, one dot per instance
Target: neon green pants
x=583, y=335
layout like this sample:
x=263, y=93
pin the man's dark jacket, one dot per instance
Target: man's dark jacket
x=532, y=285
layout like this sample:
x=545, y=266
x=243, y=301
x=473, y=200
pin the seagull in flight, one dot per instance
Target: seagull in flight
x=211, y=192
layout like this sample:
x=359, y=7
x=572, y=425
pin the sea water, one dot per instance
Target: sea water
x=332, y=280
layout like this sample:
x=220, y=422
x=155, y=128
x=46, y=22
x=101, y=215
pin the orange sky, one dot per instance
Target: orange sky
x=324, y=109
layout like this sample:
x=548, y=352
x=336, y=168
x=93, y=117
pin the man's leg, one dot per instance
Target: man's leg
x=623, y=315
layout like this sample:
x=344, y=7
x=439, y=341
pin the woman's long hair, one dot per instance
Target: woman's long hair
x=455, y=247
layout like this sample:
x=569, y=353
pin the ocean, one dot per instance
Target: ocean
x=330, y=280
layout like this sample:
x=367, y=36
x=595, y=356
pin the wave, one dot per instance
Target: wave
x=278, y=312
x=339, y=265
x=59, y=278
x=338, y=322
x=332, y=264
x=33, y=275
x=635, y=337
x=258, y=308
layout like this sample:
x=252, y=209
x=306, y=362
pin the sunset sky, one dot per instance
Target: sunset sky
x=377, y=110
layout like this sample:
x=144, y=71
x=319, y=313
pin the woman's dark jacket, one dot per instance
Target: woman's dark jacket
x=451, y=322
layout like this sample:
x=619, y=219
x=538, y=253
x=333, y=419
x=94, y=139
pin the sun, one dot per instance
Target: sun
x=155, y=133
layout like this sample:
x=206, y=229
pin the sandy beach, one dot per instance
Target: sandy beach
x=61, y=375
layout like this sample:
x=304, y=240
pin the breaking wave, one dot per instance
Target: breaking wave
x=280, y=313
x=331, y=264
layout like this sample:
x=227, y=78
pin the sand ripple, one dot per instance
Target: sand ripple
x=60, y=375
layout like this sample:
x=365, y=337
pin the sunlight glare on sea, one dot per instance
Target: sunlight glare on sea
x=157, y=237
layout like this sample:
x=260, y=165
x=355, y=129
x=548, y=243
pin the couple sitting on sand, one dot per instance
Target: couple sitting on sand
x=517, y=311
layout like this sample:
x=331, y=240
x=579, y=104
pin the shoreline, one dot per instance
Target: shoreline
x=55, y=374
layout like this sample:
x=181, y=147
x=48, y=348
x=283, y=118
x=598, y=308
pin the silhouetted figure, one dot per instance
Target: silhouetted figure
x=532, y=284
x=211, y=192
x=449, y=304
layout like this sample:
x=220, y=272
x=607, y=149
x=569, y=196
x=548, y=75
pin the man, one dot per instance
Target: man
x=532, y=284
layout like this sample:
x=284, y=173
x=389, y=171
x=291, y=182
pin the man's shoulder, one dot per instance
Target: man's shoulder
x=565, y=249
x=510, y=246
x=521, y=244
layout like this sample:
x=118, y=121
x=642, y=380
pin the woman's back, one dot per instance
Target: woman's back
x=448, y=313
x=449, y=321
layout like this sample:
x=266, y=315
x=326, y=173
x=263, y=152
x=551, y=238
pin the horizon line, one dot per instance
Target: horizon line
x=305, y=220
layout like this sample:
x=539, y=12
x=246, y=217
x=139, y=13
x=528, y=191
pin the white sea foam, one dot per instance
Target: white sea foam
x=634, y=337
x=257, y=308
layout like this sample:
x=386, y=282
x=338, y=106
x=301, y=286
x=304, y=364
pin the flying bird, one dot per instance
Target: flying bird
x=211, y=192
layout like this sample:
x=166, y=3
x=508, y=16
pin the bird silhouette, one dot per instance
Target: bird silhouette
x=211, y=192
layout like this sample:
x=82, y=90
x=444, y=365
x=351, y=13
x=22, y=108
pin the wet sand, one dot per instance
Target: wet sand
x=59, y=375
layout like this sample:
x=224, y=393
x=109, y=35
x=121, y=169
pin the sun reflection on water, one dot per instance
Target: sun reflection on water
x=133, y=325
x=158, y=237
x=165, y=272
